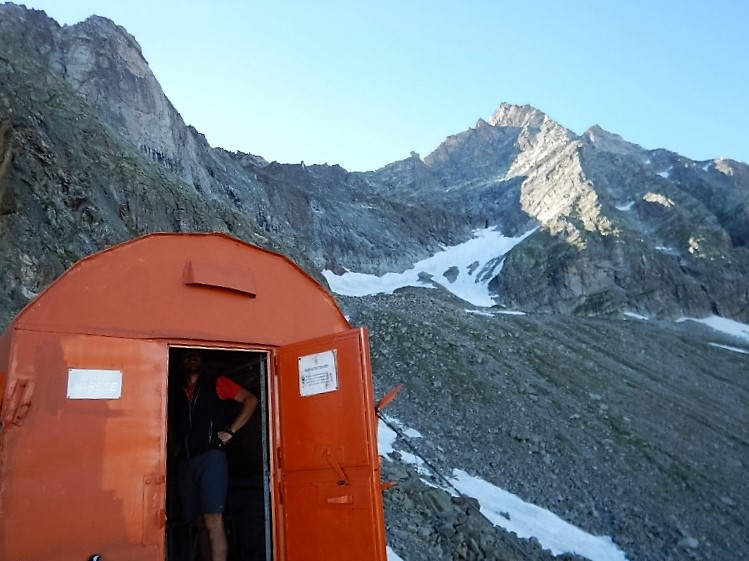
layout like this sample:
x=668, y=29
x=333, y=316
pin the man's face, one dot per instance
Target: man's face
x=191, y=362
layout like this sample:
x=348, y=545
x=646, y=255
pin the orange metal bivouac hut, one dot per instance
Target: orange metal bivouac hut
x=85, y=371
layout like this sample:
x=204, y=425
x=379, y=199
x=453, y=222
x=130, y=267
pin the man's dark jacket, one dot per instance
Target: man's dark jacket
x=196, y=423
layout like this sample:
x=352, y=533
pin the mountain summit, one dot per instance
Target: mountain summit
x=525, y=116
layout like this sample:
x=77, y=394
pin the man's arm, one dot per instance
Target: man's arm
x=249, y=403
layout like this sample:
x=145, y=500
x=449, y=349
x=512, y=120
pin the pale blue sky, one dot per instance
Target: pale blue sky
x=363, y=83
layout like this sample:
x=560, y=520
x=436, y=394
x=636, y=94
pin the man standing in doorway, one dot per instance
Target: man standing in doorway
x=204, y=425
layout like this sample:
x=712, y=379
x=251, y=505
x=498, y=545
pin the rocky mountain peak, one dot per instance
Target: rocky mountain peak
x=609, y=142
x=520, y=116
x=105, y=65
x=105, y=28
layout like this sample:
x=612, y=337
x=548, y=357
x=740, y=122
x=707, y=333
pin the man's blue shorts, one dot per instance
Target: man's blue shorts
x=204, y=483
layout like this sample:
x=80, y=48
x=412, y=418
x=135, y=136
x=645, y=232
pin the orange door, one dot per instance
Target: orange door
x=328, y=503
x=86, y=467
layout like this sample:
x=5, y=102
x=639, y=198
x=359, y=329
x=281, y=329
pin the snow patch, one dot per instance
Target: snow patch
x=496, y=312
x=727, y=347
x=667, y=250
x=528, y=520
x=724, y=325
x=392, y=555
x=480, y=313
x=506, y=510
x=476, y=261
x=625, y=207
x=636, y=316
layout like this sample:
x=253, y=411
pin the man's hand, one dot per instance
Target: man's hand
x=224, y=437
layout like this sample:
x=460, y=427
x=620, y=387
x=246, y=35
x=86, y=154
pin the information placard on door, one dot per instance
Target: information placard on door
x=318, y=373
x=85, y=383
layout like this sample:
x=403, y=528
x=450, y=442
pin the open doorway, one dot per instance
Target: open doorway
x=247, y=514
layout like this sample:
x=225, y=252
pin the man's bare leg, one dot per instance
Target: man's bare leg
x=204, y=541
x=214, y=524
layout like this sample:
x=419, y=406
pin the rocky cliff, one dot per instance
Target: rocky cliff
x=620, y=228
